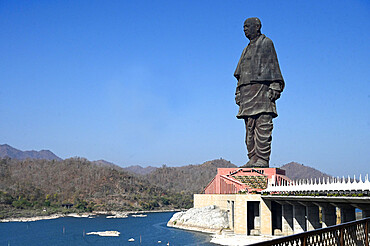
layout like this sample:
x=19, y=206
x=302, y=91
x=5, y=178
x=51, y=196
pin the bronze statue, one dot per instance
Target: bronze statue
x=259, y=85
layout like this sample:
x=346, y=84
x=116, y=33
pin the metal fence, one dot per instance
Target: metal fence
x=356, y=233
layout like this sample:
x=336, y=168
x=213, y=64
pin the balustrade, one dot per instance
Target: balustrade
x=356, y=233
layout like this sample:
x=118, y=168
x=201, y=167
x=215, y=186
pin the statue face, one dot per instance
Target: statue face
x=251, y=30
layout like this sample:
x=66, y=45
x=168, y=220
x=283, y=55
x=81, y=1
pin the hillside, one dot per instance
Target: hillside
x=8, y=151
x=36, y=184
x=140, y=170
x=39, y=183
x=136, y=169
x=103, y=163
x=296, y=171
x=189, y=179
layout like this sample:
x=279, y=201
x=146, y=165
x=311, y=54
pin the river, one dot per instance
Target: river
x=149, y=230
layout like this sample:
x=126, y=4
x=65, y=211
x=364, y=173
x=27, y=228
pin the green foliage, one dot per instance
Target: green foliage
x=165, y=200
x=21, y=203
x=5, y=198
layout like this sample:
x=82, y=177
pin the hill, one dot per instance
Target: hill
x=188, y=179
x=103, y=163
x=192, y=179
x=36, y=184
x=140, y=170
x=10, y=152
x=296, y=171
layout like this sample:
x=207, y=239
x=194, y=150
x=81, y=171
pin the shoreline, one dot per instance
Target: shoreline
x=110, y=214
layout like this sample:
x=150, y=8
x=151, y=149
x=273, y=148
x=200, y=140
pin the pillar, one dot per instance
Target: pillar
x=265, y=215
x=347, y=213
x=328, y=214
x=312, y=215
x=287, y=218
x=299, y=217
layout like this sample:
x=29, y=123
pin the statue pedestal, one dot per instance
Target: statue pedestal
x=244, y=180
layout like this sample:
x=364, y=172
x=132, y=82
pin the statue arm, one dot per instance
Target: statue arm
x=237, y=70
x=277, y=85
x=237, y=76
x=275, y=89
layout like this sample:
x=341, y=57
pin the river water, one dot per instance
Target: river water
x=150, y=230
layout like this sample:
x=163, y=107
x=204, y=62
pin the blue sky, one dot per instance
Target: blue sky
x=151, y=82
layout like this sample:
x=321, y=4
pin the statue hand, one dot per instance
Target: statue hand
x=274, y=95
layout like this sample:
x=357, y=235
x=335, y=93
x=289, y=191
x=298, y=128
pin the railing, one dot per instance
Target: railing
x=322, y=185
x=356, y=233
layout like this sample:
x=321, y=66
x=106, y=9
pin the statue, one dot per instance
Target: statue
x=259, y=85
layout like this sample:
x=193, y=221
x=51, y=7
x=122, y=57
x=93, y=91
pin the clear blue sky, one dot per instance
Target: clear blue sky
x=151, y=82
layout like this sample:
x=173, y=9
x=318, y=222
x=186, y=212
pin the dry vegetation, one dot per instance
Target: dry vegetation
x=189, y=179
x=42, y=184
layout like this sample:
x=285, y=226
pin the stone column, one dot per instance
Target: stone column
x=299, y=217
x=312, y=215
x=265, y=215
x=287, y=218
x=328, y=214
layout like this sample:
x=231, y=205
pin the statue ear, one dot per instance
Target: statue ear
x=259, y=28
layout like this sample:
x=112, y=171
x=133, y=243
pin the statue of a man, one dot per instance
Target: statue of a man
x=259, y=85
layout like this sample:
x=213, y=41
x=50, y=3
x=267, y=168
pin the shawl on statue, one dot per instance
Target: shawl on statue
x=259, y=63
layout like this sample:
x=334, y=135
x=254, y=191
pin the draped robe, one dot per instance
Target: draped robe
x=258, y=71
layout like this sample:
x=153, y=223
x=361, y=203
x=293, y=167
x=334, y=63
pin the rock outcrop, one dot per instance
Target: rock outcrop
x=206, y=219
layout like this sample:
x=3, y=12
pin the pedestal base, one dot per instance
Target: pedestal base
x=241, y=180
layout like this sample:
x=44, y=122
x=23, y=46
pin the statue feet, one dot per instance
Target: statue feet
x=256, y=162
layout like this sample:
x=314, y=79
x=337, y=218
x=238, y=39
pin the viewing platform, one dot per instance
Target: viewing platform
x=263, y=201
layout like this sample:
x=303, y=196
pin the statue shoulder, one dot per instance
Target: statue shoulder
x=266, y=41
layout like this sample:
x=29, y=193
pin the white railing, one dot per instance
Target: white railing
x=321, y=185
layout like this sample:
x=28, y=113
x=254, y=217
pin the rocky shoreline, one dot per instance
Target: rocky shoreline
x=208, y=219
x=213, y=220
x=109, y=214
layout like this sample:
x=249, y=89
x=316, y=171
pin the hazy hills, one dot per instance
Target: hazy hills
x=295, y=171
x=156, y=175
x=8, y=151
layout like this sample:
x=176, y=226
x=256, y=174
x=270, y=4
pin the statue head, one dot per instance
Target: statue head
x=252, y=28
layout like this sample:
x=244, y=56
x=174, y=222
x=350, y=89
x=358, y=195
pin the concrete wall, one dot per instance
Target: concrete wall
x=224, y=202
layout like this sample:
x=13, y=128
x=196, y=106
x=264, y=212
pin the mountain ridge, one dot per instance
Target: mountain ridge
x=11, y=152
x=295, y=170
